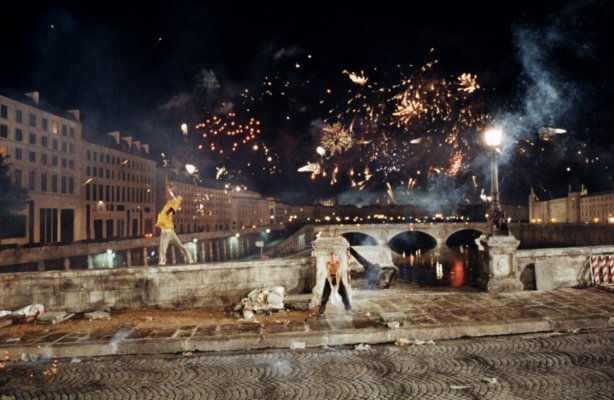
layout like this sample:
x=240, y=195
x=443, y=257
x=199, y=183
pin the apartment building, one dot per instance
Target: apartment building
x=44, y=146
x=118, y=191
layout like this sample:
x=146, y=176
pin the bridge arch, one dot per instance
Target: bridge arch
x=359, y=239
x=411, y=240
x=463, y=237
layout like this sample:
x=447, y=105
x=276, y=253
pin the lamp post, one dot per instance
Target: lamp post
x=497, y=226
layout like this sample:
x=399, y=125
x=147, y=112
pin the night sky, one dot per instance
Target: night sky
x=279, y=76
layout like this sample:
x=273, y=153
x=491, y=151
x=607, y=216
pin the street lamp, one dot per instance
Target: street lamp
x=497, y=226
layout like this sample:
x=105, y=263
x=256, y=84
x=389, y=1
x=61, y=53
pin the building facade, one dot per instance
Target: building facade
x=118, y=191
x=576, y=207
x=44, y=148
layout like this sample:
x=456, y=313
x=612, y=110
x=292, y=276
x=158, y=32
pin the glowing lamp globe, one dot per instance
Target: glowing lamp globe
x=493, y=137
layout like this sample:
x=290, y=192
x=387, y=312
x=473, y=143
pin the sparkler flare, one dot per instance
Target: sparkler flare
x=335, y=139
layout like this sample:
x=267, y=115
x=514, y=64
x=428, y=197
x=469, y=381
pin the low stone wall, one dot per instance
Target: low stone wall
x=546, y=269
x=186, y=286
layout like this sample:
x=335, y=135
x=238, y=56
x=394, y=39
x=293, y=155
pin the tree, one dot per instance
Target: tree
x=13, y=199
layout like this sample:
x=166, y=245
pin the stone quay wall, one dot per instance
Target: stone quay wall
x=169, y=287
x=547, y=269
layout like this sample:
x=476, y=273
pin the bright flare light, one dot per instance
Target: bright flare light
x=190, y=168
x=493, y=137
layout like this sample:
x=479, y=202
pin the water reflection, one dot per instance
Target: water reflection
x=451, y=267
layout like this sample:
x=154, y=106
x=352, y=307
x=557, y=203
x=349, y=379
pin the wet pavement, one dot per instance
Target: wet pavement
x=428, y=314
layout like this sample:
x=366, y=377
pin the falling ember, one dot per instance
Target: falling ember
x=456, y=164
x=467, y=83
x=335, y=139
x=357, y=79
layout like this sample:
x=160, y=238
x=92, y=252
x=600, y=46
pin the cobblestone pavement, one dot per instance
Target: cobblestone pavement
x=539, y=366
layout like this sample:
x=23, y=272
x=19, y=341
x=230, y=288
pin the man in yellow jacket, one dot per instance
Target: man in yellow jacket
x=168, y=235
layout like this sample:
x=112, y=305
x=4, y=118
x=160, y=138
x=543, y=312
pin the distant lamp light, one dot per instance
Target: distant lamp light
x=493, y=137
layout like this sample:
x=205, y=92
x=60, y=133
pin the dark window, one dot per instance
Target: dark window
x=71, y=185
x=108, y=175
x=18, y=134
x=43, y=182
x=18, y=116
x=71, y=164
x=32, y=120
x=31, y=180
x=64, y=130
x=71, y=132
x=87, y=192
x=95, y=156
x=44, y=158
x=17, y=154
x=71, y=148
x=45, y=124
x=64, y=164
x=54, y=183
x=87, y=171
x=64, y=184
x=32, y=138
x=54, y=144
x=88, y=155
x=54, y=161
x=4, y=131
x=44, y=141
x=4, y=112
x=108, y=159
x=64, y=147
x=32, y=156
x=17, y=175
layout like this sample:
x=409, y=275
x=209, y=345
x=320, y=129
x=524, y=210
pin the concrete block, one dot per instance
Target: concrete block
x=97, y=315
x=388, y=318
x=544, y=277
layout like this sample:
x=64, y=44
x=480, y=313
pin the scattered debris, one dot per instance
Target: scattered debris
x=491, y=381
x=393, y=325
x=75, y=360
x=29, y=357
x=11, y=340
x=97, y=315
x=54, y=317
x=368, y=314
x=362, y=346
x=421, y=342
x=187, y=353
x=262, y=300
x=148, y=318
x=388, y=319
x=573, y=330
x=29, y=313
x=402, y=342
x=294, y=345
x=460, y=387
x=4, y=314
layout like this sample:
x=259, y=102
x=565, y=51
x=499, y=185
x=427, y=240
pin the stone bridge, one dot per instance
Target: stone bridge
x=383, y=233
x=378, y=251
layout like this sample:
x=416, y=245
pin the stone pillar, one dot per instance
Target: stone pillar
x=322, y=247
x=90, y=262
x=145, y=261
x=210, y=250
x=128, y=258
x=217, y=250
x=66, y=263
x=202, y=251
x=173, y=256
x=498, y=269
x=225, y=247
